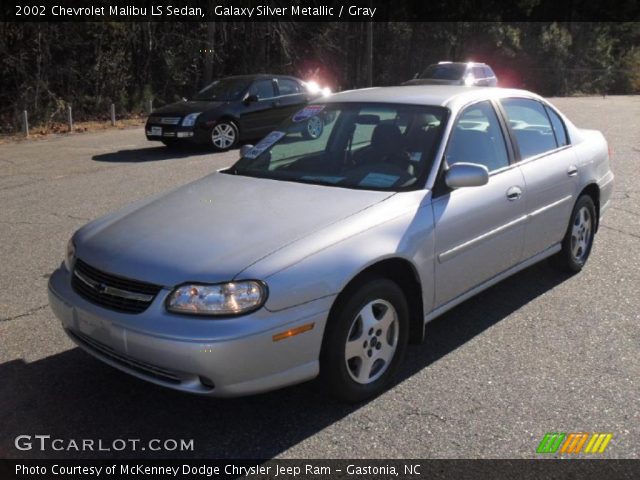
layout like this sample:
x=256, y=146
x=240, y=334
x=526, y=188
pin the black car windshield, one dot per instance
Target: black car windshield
x=444, y=71
x=226, y=89
x=369, y=146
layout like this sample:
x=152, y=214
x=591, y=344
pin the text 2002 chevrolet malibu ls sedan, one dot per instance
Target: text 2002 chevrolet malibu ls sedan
x=326, y=256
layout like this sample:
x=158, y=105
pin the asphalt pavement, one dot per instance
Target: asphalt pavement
x=539, y=352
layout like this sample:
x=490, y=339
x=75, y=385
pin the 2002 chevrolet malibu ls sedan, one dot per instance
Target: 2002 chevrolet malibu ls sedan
x=326, y=256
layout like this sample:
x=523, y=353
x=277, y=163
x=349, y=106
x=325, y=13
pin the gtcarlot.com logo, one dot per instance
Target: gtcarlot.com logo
x=45, y=443
x=574, y=443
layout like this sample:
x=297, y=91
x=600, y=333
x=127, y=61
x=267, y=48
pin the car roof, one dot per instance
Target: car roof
x=450, y=96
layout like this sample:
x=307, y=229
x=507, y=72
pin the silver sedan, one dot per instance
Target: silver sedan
x=325, y=256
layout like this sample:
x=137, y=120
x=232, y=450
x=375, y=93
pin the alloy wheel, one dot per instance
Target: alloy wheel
x=581, y=235
x=372, y=341
x=223, y=135
x=314, y=127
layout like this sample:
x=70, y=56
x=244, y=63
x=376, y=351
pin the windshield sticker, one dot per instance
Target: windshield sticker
x=307, y=112
x=378, y=180
x=321, y=178
x=263, y=144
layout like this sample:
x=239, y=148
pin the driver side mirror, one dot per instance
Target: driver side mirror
x=244, y=149
x=466, y=175
x=250, y=98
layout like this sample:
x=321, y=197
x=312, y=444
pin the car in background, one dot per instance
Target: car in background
x=457, y=73
x=325, y=256
x=234, y=109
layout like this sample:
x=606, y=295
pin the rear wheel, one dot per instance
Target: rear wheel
x=224, y=135
x=365, y=341
x=314, y=128
x=578, y=240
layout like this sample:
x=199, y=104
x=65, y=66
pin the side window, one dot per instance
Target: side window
x=263, y=89
x=478, y=72
x=288, y=86
x=530, y=126
x=558, y=128
x=488, y=72
x=477, y=138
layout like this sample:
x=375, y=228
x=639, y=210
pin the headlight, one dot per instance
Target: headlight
x=190, y=120
x=231, y=298
x=70, y=255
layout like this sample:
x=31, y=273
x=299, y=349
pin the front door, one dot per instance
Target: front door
x=479, y=231
x=260, y=117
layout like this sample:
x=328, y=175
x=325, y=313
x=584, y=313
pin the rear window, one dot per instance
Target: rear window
x=558, y=128
x=288, y=86
x=530, y=126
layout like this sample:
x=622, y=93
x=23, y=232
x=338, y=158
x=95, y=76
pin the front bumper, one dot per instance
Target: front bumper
x=159, y=132
x=217, y=357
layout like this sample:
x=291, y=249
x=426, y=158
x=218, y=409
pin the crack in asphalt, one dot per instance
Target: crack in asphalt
x=25, y=314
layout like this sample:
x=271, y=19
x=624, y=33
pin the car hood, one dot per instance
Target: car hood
x=184, y=108
x=212, y=229
x=431, y=81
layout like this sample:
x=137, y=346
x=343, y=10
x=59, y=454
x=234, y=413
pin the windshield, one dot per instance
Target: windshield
x=352, y=145
x=447, y=71
x=223, y=90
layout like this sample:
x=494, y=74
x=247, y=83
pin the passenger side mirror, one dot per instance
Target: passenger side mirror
x=250, y=98
x=466, y=175
x=244, y=149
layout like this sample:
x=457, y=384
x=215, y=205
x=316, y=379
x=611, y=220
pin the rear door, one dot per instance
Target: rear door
x=548, y=164
x=260, y=117
x=479, y=231
x=291, y=97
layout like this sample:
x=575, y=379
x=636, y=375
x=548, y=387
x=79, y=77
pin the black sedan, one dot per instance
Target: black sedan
x=234, y=109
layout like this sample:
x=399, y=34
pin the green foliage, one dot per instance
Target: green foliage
x=45, y=67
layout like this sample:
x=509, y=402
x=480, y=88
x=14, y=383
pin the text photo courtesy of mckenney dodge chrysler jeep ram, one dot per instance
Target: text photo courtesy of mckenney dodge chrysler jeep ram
x=324, y=256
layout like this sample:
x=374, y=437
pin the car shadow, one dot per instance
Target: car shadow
x=72, y=396
x=152, y=154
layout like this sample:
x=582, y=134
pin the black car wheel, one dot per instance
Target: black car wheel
x=365, y=340
x=314, y=128
x=224, y=135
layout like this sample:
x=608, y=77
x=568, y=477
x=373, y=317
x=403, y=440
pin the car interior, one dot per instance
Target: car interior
x=390, y=149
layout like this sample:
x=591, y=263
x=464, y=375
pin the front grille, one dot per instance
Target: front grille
x=126, y=361
x=111, y=291
x=165, y=120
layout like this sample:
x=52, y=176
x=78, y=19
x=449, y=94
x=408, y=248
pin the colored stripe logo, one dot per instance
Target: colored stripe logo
x=574, y=442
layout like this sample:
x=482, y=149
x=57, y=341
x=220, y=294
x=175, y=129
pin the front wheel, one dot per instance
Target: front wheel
x=224, y=135
x=578, y=240
x=365, y=341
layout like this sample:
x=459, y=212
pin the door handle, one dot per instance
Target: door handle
x=514, y=193
x=572, y=171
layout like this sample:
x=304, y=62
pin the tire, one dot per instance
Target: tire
x=224, y=135
x=313, y=128
x=578, y=240
x=360, y=353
